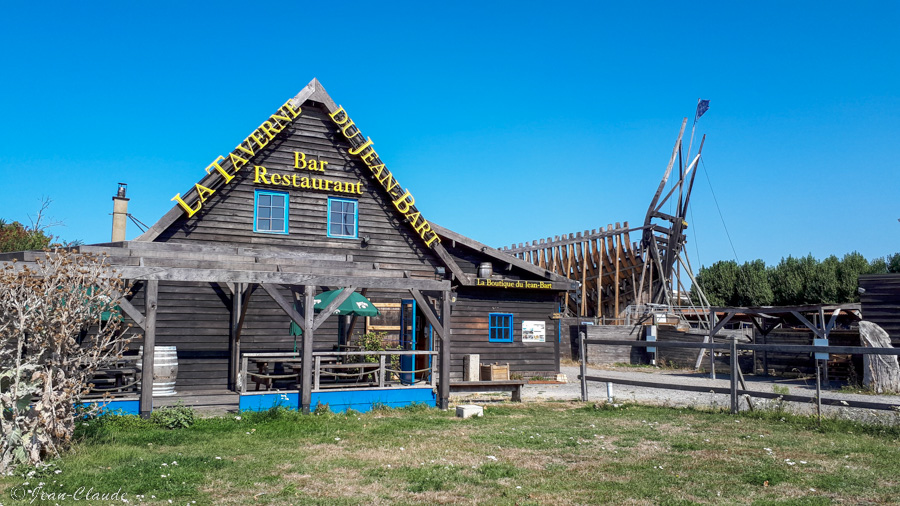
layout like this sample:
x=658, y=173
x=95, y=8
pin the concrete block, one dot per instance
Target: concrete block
x=469, y=410
x=470, y=367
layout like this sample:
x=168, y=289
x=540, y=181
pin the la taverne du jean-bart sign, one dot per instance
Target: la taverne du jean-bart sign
x=228, y=168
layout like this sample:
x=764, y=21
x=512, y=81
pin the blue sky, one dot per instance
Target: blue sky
x=509, y=121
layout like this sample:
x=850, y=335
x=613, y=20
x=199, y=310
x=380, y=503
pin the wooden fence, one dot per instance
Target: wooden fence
x=736, y=377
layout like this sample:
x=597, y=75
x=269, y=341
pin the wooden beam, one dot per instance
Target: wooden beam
x=568, y=273
x=285, y=306
x=818, y=332
x=584, y=265
x=618, y=239
x=353, y=320
x=721, y=324
x=561, y=240
x=599, y=282
x=151, y=293
x=240, y=299
x=131, y=311
x=489, y=251
x=335, y=303
x=427, y=310
x=354, y=278
x=451, y=264
x=675, y=151
x=444, y=388
x=306, y=360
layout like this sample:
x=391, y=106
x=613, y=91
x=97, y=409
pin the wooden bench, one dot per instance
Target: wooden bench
x=264, y=378
x=513, y=386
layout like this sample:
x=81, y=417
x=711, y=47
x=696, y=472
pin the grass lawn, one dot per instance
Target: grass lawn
x=531, y=453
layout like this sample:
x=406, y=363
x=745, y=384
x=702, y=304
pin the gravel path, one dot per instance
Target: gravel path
x=644, y=395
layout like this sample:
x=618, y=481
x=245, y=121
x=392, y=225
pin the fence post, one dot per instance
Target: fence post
x=381, y=370
x=712, y=350
x=244, y=378
x=318, y=375
x=734, y=376
x=584, y=390
x=818, y=391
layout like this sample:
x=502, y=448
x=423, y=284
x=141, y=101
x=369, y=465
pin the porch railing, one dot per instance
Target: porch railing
x=337, y=370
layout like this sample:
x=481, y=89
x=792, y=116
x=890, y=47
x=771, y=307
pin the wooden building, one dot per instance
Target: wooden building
x=879, y=299
x=304, y=205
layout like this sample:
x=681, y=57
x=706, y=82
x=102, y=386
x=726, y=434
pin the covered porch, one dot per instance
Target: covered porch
x=312, y=372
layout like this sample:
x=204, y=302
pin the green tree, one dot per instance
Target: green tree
x=822, y=285
x=878, y=266
x=851, y=266
x=719, y=282
x=17, y=237
x=753, y=287
x=786, y=281
x=893, y=263
x=793, y=282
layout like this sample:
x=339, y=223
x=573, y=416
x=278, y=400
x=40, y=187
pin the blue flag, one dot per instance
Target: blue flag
x=702, y=107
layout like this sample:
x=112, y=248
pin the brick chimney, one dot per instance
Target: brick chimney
x=120, y=214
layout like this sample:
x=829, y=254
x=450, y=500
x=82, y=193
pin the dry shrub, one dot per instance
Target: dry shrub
x=52, y=341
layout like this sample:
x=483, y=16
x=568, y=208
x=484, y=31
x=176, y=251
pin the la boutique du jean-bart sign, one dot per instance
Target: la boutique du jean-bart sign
x=228, y=168
x=517, y=283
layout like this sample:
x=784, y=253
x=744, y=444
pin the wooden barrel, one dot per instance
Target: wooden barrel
x=165, y=369
x=485, y=269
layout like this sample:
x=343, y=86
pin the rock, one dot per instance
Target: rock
x=881, y=373
x=469, y=410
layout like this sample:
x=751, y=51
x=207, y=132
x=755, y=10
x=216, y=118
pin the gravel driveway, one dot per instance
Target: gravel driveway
x=623, y=393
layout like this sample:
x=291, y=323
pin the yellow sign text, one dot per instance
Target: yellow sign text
x=256, y=141
x=404, y=202
x=261, y=176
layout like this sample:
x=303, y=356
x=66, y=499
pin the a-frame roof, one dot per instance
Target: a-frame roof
x=315, y=92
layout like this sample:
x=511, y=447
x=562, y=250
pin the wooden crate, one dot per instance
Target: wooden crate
x=494, y=372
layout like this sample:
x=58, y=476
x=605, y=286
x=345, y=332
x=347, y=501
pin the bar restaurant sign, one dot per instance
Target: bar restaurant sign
x=227, y=168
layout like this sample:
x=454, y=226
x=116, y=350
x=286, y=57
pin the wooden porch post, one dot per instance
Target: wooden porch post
x=306, y=361
x=444, y=388
x=234, y=341
x=150, y=296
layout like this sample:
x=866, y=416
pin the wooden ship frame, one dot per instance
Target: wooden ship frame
x=628, y=273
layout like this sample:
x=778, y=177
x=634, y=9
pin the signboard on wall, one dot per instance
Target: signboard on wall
x=534, y=332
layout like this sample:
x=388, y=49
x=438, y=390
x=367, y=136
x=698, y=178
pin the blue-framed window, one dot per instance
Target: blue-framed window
x=343, y=218
x=501, y=328
x=270, y=212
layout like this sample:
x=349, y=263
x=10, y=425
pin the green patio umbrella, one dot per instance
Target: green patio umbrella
x=356, y=304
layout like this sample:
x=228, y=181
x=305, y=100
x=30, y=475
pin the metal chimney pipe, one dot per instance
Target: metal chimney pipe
x=120, y=214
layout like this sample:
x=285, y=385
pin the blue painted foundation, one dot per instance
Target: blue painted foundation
x=361, y=400
x=365, y=400
x=262, y=402
x=117, y=406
